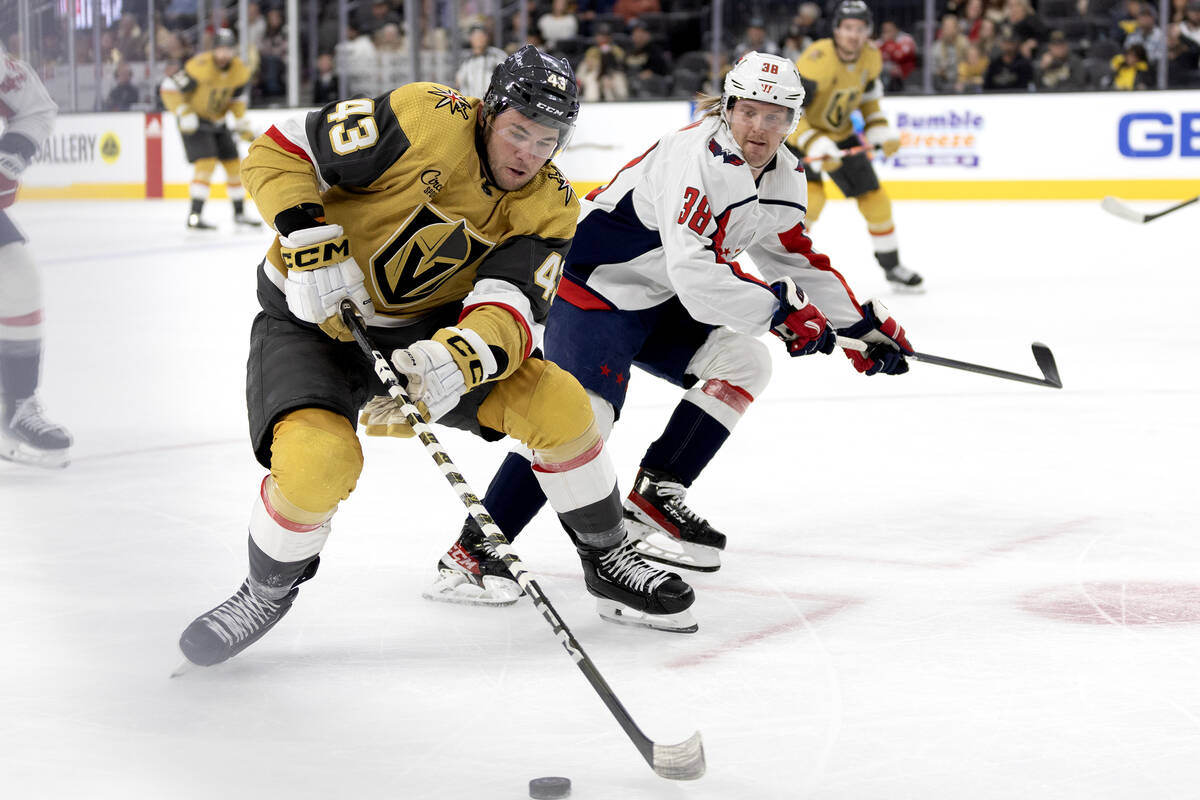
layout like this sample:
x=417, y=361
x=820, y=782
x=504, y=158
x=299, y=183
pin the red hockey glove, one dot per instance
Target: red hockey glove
x=800, y=324
x=888, y=342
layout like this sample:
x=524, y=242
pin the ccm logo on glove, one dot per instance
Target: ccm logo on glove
x=322, y=254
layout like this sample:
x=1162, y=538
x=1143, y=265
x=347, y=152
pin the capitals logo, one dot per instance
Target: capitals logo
x=455, y=101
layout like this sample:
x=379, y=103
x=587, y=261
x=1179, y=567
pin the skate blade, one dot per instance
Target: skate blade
x=454, y=587
x=657, y=546
x=900, y=288
x=184, y=668
x=681, y=622
x=19, y=453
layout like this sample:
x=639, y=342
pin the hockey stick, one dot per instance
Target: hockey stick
x=1114, y=206
x=853, y=151
x=680, y=762
x=1041, y=354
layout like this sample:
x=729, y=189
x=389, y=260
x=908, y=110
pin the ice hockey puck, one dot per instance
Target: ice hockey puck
x=549, y=788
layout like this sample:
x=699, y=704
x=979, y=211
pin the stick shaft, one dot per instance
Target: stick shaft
x=848, y=343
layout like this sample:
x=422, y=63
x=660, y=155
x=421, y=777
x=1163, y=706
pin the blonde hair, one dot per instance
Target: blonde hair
x=709, y=104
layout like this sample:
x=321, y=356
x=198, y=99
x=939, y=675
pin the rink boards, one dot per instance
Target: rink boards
x=1138, y=145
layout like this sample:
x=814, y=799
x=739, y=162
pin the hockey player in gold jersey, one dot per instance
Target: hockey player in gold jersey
x=209, y=86
x=443, y=219
x=840, y=75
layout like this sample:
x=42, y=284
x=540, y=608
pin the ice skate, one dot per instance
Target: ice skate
x=664, y=529
x=903, y=279
x=195, y=223
x=631, y=592
x=240, y=220
x=472, y=574
x=27, y=437
x=221, y=633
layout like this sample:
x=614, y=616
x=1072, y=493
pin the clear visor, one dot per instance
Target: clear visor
x=538, y=140
x=761, y=116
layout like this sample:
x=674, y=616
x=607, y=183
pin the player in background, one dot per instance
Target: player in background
x=460, y=222
x=26, y=435
x=209, y=86
x=653, y=280
x=840, y=75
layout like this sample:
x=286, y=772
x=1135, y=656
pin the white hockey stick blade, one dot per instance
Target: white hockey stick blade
x=680, y=762
x=1115, y=207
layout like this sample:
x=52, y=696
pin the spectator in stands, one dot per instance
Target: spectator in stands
x=256, y=24
x=1010, y=71
x=807, y=25
x=972, y=19
x=755, y=38
x=1028, y=27
x=556, y=24
x=632, y=9
x=588, y=10
x=899, y=52
x=129, y=39
x=602, y=70
x=273, y=52
x=996, y=11
x=325, y=82
x=646, y=67
x=388, y=40
x=180, y=14
x=1148, y=35
x=972, y=70
x=1190, y=27
x=475, y=73
x=379, y=14
x=1130, y=70
x=987, y=38
x=1058, y=69
x=948, y=51
x=124, y=95
x=1183, y=59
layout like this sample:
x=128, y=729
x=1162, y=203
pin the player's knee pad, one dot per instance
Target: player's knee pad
x=20, y=285
x=816, y=202
x=876, y=208
x=731, y=370
x=540, y=405
x=315, y=459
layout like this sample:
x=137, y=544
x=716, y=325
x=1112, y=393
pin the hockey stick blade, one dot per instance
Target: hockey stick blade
x=683, y=761
x=1045, y=362
x=1115, y=207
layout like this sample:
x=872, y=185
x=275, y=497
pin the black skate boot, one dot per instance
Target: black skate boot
x=194, y=222
x=27, y=437
x=221, y=633
x=631, y=592
x=902, y=278
x=244, y=221
x=664, y=529
x=472, y=573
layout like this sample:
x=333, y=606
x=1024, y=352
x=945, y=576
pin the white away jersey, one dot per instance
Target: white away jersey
x=24, y=103
x=673, y=222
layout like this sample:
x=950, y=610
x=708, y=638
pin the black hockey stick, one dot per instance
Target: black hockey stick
x=1041, y=354
x=1114, y=206
x=680, y=762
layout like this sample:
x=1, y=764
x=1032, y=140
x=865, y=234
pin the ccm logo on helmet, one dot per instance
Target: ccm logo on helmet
x=548, y=109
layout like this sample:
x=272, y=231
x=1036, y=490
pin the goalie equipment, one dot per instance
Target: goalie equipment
x=27, y=437
x=664, y=529
x=471, y=573
x=629, y=591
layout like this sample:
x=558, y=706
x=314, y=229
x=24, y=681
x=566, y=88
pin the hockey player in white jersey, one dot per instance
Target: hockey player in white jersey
x=653, y=280
x=26, y=435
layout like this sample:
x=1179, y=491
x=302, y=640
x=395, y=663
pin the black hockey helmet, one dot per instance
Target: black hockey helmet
x=224, y=37
x=539, y=86
x=852, y=9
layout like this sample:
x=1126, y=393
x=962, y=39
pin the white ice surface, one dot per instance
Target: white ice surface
x=868, y=637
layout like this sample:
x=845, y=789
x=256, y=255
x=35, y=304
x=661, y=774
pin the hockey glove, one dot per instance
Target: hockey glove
x=888, y=342
x=800, y=324
x=382, y=417
x=320, y=275
x=241, y=127
x=442, y=369
x=827, y=150
x=188, y=121
x=883, y=137
x=12, y=165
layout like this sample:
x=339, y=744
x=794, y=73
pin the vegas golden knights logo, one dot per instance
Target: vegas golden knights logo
x=422, y=255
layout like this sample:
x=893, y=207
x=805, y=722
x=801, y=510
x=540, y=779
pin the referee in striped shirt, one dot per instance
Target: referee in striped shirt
x=475, y=73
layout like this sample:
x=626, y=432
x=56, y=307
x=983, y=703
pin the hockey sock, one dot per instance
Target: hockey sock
x=888, y=258
x=514, y=497
x=284, y=539
x=581, y=485
x=688, y=443
x=239, y=207
x=19, y=366
x=197, y=205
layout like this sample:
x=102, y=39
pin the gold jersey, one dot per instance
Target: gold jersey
x=403, y=175
x=207, y=89
x=834, y=88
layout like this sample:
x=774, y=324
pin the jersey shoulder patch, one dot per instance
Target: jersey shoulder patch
x=356, y=141
x=545, y=207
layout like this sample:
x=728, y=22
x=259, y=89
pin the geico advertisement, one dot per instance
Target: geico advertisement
x=90, y=148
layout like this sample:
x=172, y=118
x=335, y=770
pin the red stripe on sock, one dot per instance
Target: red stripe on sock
x=735, y=397
x=280, y=519
x=575, y=463
x=25, y=320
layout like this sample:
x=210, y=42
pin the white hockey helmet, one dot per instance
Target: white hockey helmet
x=768, y=79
